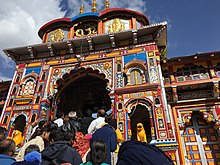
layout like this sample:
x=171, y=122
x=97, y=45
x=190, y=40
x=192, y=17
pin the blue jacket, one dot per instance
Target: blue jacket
x=108, y=135
x=6, y=160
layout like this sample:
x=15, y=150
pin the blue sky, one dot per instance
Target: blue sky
x=193, y=25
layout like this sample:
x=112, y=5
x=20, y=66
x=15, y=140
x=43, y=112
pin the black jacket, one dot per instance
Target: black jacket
x=61, y=150
x=139, y=153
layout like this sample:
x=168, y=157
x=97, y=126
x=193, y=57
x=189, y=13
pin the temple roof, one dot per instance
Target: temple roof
x=154, y=32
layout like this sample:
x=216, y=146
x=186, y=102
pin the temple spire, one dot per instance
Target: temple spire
x=94, y=6
x=107, y=4
x=81, y=10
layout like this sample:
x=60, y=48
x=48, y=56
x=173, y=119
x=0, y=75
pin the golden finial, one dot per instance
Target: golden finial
x=94, y=6
x=107, y=4
x=81, y=10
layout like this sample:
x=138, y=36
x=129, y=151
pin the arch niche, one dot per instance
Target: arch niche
x=140, y=111
x=82, y=89
x=20, y=123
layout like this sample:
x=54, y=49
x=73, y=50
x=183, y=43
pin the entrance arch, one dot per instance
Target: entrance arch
x=139, y=111
x=20, y=123
x=82, y=90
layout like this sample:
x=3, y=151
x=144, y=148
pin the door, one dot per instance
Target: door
x=201, y=142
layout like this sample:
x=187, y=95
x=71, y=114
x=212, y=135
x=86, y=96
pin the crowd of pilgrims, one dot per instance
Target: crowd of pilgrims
x=69, y=140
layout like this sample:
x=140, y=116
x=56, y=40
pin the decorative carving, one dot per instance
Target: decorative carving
x=116, y=26
x=28, y=86
x=208, y=117
x=119, y=80
x=86, y=30
x=57, y=35
x=59, y=72
x=153, y=75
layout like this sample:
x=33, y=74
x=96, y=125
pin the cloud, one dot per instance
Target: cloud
x=4, y=78
x=20, y=21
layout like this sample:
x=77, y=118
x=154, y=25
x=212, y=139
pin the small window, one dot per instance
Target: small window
x=10, y=103
x=119, y=68
x=40, y=88
x=14, y=90
x=18, y=78
x=37, y=100
x=136, y=77
x=5, y=120
x=157, y=101
x=180, y=79
x=120, y=106
x=33, y=118
x=43, y=76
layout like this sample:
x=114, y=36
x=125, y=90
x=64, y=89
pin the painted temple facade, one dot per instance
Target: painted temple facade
x=116, y=59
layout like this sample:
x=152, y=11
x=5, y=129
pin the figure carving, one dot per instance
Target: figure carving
x=141, y=135
x=58, y=35
x=116, y=26
x=17, y=137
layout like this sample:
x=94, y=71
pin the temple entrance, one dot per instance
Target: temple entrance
x=140, y=114
x=86, y=92
x=201, y=142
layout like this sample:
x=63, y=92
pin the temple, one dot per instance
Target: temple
x=117, y=60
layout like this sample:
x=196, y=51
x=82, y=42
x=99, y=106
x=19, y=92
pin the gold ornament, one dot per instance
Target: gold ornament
x=81, y=10
x=106, y=4
x=116, y=26
x=57, y=35
x=107, y=65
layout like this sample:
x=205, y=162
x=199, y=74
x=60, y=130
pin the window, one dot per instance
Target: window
x=166, y=77
x=217, y=69
x=191, y=72
x=136, y=77
x=118, y=67
x=157, y=101
x=14, y=90
x=10, y=103
x=119, y=105
x=37, y=100
x=18, y=78
x=40, y=88
x=43, y=76
x=33, y=118
x=5, y=120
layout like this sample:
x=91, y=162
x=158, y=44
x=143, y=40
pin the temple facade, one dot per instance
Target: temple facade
x=117, y=60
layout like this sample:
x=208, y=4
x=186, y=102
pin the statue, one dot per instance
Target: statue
x=17, y=137
x=141, y=135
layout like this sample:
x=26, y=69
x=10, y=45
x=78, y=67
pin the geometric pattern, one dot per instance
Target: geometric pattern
x=201, y=142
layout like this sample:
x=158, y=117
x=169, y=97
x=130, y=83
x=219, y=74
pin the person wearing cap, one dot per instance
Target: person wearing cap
x=97, y=123
x=75, y=124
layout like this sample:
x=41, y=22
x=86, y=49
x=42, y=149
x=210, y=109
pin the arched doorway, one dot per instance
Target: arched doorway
x=140, y=114
x=85, y=92
x=200, y=141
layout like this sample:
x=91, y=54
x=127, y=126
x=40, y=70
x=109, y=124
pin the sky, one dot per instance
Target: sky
x=193, y=25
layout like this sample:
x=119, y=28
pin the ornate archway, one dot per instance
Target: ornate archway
x=82, y=89
x=140, y=111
